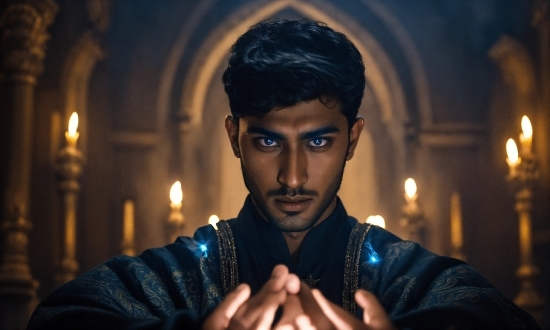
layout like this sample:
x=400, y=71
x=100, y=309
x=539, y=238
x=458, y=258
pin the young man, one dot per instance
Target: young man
x=294, y=89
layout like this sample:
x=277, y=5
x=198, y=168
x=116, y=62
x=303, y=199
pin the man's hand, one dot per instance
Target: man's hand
x=238, y=311
x=374, y=315
x=219, y=318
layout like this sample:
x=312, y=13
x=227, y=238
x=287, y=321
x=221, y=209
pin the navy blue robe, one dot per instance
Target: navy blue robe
x=178, y=285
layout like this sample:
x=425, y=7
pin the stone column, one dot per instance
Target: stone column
x=23, y=26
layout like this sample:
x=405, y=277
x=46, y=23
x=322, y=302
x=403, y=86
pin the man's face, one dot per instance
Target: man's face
x=293, y=161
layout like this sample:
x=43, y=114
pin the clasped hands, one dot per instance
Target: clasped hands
x=303, y=308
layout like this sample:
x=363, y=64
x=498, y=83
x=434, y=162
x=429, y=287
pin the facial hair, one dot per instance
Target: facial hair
x=292, y=222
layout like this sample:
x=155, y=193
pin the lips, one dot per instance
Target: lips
x=297, y=204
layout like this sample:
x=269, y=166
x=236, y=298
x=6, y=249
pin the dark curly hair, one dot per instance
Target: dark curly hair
x=281, y=63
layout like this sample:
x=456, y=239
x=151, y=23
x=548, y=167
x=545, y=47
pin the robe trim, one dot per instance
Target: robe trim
x=230, y=271
x=228, y=258
x=351, y=266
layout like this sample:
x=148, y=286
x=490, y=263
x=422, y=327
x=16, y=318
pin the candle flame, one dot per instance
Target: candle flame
x=73, y=124
x=176, y=194
x=526, y=127
x=377, y=220
x=410, y=187
x=512, y=151
x=213, y=220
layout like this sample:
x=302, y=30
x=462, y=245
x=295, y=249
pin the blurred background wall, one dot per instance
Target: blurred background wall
x=447, y=84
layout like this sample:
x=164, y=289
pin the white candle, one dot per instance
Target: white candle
x=128, y=222
x=176, y=195
x=213, y=220
x=410, y=190
x=526, y=136
x=456, y=221
x=512, y=159
x=72, y=135
x=377, y=220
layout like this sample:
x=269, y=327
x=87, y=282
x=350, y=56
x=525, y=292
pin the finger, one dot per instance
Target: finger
x=304, y=323
x=235, y=299
x=292, y=284
x=266, y=318
x=219, y=318
x=278, y=279
x=374, y=314
x=312, y=308
x=337, y=320
x=259, y=311
x=291, y=310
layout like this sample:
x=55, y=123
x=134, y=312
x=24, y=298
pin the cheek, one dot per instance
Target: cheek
x=261, y=167
x=324, y=167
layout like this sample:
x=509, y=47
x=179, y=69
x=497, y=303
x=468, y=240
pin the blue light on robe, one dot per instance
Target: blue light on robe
x=373, y=257
x=204, y=250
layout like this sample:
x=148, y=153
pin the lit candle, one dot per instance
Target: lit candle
x=526, y=136
x=410, y=190
x=72, y=135
x=512, y=159
x=176, y=195
x=128, y=222
x=456, y=221
x=175, y=219
x=213, y=220
x=377, y=220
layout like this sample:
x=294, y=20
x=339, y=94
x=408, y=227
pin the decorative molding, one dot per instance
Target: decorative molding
x=413, y=57
x=99, y=13
x=541, y=13
x=174, y=58
x=516, y=66
x=75, y=77
x=141, y=140
x=452, y=135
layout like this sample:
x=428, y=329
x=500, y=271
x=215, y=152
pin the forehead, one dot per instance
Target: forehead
x=301, y=117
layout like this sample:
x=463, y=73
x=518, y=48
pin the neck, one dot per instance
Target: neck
x=294, y=242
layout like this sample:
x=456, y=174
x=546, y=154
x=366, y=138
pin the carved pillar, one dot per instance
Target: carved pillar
x=23, y=26
x=541, y=21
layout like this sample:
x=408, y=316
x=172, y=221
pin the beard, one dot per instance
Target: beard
x=293, y=221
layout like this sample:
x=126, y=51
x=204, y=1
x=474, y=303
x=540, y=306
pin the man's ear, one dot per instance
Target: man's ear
x=232, y=128
x=354, y=135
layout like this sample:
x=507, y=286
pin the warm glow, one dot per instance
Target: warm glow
x=526, y=127
x=73, y=124
x=410, y=187
x=176, y=194
x=377, y=220
x=213, y=220
x=512, y=151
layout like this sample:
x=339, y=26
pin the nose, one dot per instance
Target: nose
x=293, y=168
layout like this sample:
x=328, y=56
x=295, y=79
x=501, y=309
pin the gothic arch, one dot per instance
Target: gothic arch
x=517, y=70
x=380, y=74
x=75, y=78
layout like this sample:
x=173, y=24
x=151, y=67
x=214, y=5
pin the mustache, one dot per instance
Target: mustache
x=287, y=192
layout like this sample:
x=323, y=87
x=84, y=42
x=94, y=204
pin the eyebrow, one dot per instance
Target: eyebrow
x=303, y=136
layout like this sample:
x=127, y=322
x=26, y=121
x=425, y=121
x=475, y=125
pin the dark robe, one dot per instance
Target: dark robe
x=178, y=285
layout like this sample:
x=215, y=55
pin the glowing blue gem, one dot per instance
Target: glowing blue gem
x=203, y=247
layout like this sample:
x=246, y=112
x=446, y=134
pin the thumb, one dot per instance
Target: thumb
x=222, y=314
x=374, y=314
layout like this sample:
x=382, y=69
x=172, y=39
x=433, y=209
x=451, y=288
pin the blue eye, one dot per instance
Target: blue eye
x=267, y=142
x=318, y=142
